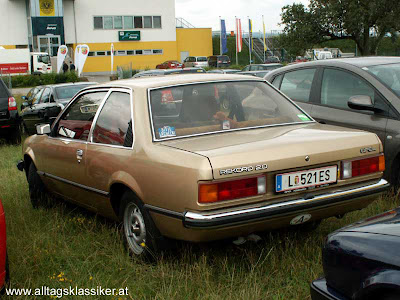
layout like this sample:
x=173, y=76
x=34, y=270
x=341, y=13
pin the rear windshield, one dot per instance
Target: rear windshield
x=223, y=58
x=3, y=90
x=202, y=58
x=197, y=109
x=67, y=92
x=388, y=75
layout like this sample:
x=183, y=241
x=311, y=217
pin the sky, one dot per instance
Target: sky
x=205, y=13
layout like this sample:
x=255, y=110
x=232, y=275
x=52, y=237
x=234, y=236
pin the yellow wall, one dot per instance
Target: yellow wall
x=197, y=41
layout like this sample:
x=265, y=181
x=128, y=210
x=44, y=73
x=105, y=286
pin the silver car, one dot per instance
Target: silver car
x=196, y=61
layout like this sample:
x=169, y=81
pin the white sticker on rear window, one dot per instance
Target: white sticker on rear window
x=166, y=131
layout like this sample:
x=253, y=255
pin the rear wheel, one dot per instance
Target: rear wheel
x=141, y=237
x=14, y=137
x=37, y=190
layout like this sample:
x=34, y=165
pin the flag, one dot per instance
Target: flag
x=239, y=40
x=250, y=35
x=224, y=48
x=265, y=44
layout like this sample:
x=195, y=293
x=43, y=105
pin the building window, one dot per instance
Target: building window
x=157, y=51
x=130, y=52
x=118, y=22
x=100, y=53
x=138, y=22
x=128, y=22
x=147, y=52
x=92, y=54
x=148, y=22
x=157, y=22
x=108, y=22
x=139, y=52
x=121, y=52
x=98, y=22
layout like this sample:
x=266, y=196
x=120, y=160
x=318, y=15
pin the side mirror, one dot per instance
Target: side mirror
x=24, y=104
x=362, y=102
x=42, y=129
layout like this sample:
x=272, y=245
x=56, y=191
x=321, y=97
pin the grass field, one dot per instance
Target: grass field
x=66, y=246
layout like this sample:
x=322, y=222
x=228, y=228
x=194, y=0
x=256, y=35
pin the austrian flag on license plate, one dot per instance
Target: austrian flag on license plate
x=307, y=179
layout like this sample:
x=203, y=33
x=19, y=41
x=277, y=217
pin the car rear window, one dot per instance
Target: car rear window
x=4, y=93
x=197, y=109
x=202, y=58
x=223, y=58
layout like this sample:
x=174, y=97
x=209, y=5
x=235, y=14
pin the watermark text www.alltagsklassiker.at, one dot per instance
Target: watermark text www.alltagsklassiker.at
x=71, y=291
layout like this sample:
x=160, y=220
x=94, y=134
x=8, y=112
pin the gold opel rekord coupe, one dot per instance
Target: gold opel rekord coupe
x=198, y=158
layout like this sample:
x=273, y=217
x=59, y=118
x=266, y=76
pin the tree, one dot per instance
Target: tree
x=364, y=21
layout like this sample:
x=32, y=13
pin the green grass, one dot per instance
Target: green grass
x=66, y=246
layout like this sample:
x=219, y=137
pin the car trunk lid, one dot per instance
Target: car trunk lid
x=277, y=148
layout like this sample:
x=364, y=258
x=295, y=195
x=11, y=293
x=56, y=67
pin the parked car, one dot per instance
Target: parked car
x=168, y=72
x=260, y=74
x=361, y=93
x=45, y=102
x=9, y=117
x=219, y=61
x=261, y=67
x=196, y=61
x=224, y=71
x=361, y=261
x=165, y=157
x=170, y=64
x=4, y=266
x=272, y=60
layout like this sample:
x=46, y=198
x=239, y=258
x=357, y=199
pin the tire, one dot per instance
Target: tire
x=37, y=190
x=141, y=237
x=15, y=137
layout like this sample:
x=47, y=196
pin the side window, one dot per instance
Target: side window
x=277, y=81
x=77, y=120
x=246, y=68
x=297, y=84
x=45, y=96
x=37, y=96
x=338, y=86
x=114, y=125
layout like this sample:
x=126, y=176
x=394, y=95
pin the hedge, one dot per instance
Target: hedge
x=21, y=81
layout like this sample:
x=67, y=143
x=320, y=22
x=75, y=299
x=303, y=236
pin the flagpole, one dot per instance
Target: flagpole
x=220, y=36
x=237, y=31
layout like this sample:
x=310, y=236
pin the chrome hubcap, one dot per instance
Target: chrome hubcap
x=134, y=228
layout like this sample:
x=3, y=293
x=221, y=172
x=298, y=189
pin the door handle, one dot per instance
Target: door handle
x=79, y=155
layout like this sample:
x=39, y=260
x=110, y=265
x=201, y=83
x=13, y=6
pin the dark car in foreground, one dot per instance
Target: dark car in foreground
x=362, y=93
x=362, y=261
x=9, y=117
x=45, y=102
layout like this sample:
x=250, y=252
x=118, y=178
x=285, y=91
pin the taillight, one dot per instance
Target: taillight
x=12, y=104
x=234, y=189
x=363, y=166
x=220, y=61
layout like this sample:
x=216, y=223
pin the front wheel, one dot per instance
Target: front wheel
x=37, y=190
x=141, y=236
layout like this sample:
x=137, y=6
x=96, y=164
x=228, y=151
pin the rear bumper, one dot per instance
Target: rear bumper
x=205, y=220
x=320, y=291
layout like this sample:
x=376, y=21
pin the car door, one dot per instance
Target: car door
x=298, y=85
x=65, y=149
x=335, y=89
x=109, y=151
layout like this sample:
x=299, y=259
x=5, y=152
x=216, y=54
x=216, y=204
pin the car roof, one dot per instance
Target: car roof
x=360, y=62
x=161, y=81
x=70, y=84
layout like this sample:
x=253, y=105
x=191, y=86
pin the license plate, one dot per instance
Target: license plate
x=307, y=179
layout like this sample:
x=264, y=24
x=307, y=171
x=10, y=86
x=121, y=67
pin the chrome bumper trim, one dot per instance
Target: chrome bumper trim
x=209, y=219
